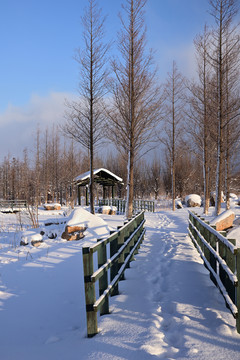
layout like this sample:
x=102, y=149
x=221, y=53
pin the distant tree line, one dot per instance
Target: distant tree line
x=47, y=174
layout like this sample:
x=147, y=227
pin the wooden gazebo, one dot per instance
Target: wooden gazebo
x=102, y=176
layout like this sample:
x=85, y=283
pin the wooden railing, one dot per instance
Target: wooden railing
x=13, y=204
x=222, y=258
x=138, y=205
x=122, y=246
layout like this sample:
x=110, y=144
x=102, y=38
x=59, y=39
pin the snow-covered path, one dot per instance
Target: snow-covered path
x=171, y=308
x=167, y=307
x=190, y=318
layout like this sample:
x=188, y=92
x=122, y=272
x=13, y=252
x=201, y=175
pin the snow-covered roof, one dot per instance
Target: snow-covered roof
x=102, y=176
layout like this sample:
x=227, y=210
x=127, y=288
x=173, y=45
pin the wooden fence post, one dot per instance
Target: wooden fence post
x=114, y=268
x=238, y=289
x=127, y=232
x=90, y=296
x=120, y=241
x=103, y=281
x=134, y=238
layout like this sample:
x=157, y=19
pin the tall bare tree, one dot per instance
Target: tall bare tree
x=134, y=112
x=174, y=92
x=85, y=120
x=223, y=51
x=232, y=105
x=201, y=44
x=202, y=118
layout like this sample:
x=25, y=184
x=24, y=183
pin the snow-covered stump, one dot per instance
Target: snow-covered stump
x=221, y=257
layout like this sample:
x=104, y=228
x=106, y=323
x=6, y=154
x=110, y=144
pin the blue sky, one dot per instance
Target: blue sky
x=38, y=40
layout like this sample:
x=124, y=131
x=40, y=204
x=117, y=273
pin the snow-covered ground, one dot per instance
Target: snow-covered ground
x=167, y=307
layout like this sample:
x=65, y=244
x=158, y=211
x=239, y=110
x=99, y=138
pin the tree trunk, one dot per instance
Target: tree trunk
x=173, y=141
x=91, y=185
x=227, y=177
x=220, y=141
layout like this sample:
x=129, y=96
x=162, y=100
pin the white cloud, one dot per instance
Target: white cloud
x=40, y=109
x=18, y=124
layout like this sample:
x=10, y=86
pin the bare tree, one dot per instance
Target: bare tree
x=201, y=44
x=202, y=118
x=174, y=92
x=37, y=169
x=46, y=166
x=155, y=176
x=232, y=106
x=134, y=112
x=222, y=59
x=85, y=120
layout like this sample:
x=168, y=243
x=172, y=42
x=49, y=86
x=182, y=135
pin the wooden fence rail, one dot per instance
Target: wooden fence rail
x=138, y=205
x=13, y=204
x=123, y=245
x=222, y=258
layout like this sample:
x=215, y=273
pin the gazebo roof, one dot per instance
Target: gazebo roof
x=101, y=176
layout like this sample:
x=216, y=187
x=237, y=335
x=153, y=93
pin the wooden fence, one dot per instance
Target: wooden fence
x=13, y=204
x=123, y=245
x=222, y=258
x=138, y=205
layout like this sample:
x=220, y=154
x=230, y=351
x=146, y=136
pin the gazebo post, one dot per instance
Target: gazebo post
x=86, y=195
x=79, y=195
x=113, y=191
x=104, y=192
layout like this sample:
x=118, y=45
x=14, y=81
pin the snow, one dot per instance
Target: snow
x=233, y=196
x=28, y=236
x=167, y=308
x=178, y=203
x=195, y=198
x=235, y=234
x=53, y=204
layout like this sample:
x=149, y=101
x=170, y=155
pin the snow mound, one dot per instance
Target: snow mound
x=52, y=206
x=30, y=236
x=193, y=200
x=96, y=226
x=233, y=196
x=178, y=203
x=107, y=210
